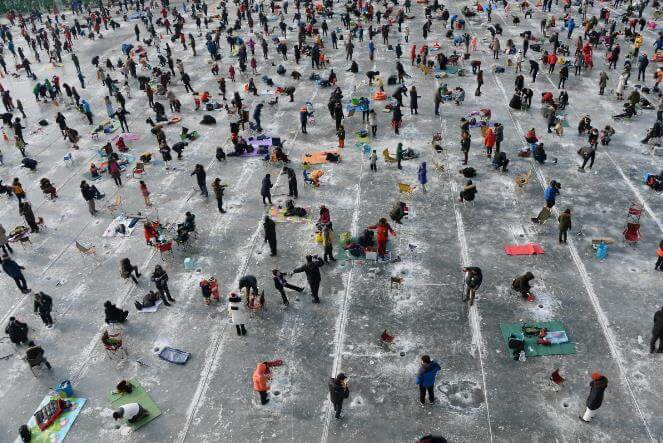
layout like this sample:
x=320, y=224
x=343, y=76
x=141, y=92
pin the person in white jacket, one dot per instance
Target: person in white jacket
x=237, y=310
x=519, y=61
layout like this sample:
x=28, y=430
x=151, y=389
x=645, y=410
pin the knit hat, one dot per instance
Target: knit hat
x=596, y=376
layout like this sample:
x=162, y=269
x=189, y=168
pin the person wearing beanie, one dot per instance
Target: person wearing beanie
x=237, y=311
x=597, y=387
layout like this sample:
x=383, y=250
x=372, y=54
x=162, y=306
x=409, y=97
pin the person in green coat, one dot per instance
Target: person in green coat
x=564, y=225
x=399, y=155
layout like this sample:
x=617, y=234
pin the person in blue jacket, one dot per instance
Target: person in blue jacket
x=15, y=271
x=426, y=378
x=551, y=192
x=423, y=176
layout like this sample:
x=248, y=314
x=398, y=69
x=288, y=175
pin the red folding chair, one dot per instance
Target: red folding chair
x=165, y=248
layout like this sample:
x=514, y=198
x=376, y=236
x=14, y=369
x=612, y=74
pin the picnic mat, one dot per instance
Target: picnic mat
x=528, y=249
x=137, y=396
x=278, y=215
x=57, y=431
x=342, y=254
x=130, y=224
x=532, y=349
x=318, y=158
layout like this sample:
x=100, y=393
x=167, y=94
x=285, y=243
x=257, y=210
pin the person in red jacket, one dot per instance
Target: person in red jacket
x=383, y=230
x=261, y=376
x=489, y=142
x=552, y=61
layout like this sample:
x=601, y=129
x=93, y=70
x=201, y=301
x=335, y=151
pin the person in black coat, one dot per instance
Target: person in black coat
x=473, y=279
x=44, y=305
x=312, y=270
x=270, y=234
x=17, y=331
x=265, y=189
x=414, y=101
x=521, y=284
x=114, y=314
x=338, y=391
x=15, y=271
x=597, y=386
x=292, y=182
x=657, y=332
x=160, y=279
x=199, y=172
x=280, y=283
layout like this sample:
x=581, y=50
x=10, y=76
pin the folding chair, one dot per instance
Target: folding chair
x=522, y=179
x=68, y=159
x=556, y=380
x=138, y=169
x=165, y=248
x=113, y=344
x=404, y=188
x=387, y=157
x=116, y=205
x=90, y=250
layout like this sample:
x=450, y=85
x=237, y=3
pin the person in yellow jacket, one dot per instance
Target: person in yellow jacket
x=261, y=377
x=637, y=43
x=328, y=243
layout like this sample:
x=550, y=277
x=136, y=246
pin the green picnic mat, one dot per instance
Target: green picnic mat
x=532, y=349
x=342, y=254
x=137, y=396
x=360, y=140
x=451, y=70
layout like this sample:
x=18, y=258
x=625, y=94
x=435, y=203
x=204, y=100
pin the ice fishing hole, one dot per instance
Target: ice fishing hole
x=277, y=393
x=541, y=306
x=566, y=405
x=402, y=354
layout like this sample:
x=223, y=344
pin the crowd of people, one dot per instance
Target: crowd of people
x=249, y=42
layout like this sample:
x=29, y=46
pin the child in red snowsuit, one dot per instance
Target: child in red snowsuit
x=383, y=230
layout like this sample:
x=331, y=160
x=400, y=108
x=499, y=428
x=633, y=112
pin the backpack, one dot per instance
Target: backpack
x=469, y=172
x=208, y=120
x=280, y=70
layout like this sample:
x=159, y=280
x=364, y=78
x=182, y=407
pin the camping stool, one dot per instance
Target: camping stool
x=68, y=159
x=556, y=380
x=366, y=149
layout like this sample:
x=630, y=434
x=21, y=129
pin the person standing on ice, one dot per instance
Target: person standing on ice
x=261, y=377
x=266, y=189
x=657, y=333
x=338, y=391
x=597, y=386
x=473, y=280
x=237, y=311
x=426, y=378
x=270, y=234
x=383, y=229
x=312, y=270
x=43, y=305
x=199, y=172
